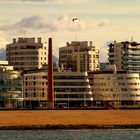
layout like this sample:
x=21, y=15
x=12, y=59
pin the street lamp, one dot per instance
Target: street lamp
x=68, y=100
x=68, y=97
x=55, y=98
x=9, y=99
x=30, y=100
x=84, y=100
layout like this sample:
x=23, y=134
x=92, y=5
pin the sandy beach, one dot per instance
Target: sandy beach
x=45, y=119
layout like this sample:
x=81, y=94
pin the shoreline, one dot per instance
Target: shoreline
x=70, y=127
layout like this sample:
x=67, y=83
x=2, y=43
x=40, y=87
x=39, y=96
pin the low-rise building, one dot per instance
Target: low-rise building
x=10, y=87
x=119, y=88
x=70, y=89
x=4, y=66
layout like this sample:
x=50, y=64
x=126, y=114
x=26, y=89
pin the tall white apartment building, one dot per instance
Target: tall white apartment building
x=79, y=56
x=125, y=55
x=26, y=54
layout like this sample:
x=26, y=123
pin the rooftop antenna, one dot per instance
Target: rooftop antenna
x=73, y=20
x=24, y=33
x=132, y=38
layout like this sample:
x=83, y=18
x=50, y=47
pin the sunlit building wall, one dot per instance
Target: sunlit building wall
x=80, y=56
x=70, y=88
x=26, y=54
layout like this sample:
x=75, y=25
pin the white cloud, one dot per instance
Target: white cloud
x=103, y=22
x=42, y=24
x=37, y=0
x=3, y=40
x=57, y=1
x=66, y=23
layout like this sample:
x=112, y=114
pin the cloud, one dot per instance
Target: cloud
x=58, y=1
x=66, y=23
x=103, y=22
x=42, y=24
x=44, y=0
x=34, y=22
x=3, y=39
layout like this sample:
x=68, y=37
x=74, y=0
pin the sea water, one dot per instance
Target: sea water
x=107, y=134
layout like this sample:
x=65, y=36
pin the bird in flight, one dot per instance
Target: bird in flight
x=75, y=19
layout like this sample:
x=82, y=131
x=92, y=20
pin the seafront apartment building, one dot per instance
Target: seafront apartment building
x=125, y=55
x=119, y=88
x=76, y=89
x=70, y=88
x=79, y=56
x=26, y=54
x=10, y=86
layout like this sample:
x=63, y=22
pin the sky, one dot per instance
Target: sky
x=100, y=21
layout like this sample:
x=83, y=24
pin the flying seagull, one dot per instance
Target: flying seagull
x=75, y=19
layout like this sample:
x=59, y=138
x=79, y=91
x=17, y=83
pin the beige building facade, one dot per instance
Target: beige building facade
x=70, y=88
x=120, y=88
x=26, y=53
x=79, y=56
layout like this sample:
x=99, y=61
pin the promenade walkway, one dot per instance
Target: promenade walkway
x=69, y=119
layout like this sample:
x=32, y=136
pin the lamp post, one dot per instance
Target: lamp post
x=30, y=101
x=55, y=98
x=68, y=96
x=9, y=99
x=38, y=94
x=118, y=100
x=68, y=100
x=84, y=100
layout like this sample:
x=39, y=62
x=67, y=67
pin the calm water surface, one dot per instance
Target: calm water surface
x=127, y=134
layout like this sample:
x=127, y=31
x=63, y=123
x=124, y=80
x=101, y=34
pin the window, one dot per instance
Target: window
x=26, y=94
x=121, y=84
x=119, y=78
x=26, y=83
x=34, y=83
x=42, y=94
x=124, y=89
x=34, y=94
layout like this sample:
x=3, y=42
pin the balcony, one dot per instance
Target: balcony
x=133, y=63
x=111, y=59
x=130, y=67
x=133, y=52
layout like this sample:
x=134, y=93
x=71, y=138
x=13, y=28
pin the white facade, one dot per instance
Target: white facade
x=116, y=87
x=2, y=62
x=4, y=66
x=10, y=88
x=71, y=88
x=125, y=55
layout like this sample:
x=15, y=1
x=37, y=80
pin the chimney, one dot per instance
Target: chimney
x=39, y=40
x=90, y=43
x=50, y=76
x=14, y=40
